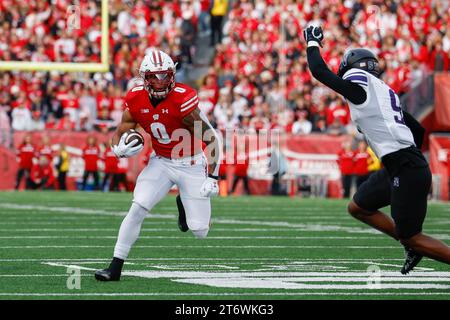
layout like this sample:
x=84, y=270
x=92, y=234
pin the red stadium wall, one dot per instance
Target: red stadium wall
x=439, y=147
x=312, y=154
x=75, y=141
x=442, y=101
x=439, y=118
x=8, y=168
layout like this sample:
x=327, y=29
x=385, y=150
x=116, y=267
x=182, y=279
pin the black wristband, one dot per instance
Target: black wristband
x=212, y=176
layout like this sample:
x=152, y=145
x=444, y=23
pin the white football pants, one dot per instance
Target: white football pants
x=153, y=184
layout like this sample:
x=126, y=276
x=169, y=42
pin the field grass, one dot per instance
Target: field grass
x=258, y=248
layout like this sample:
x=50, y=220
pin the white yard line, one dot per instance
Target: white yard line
x=300, y=277
x=201, y=247
x=276, y=259
x=39, y=275
x=227, y=294
x=297, y=226
x=209, y=237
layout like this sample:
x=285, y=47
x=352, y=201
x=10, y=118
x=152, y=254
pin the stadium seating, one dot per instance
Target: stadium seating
x=258, y=76
x=258, y=73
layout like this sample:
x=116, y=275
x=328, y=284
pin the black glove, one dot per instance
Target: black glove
x=313, y=34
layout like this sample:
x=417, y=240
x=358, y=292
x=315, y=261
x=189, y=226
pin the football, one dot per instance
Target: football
x=134, y=135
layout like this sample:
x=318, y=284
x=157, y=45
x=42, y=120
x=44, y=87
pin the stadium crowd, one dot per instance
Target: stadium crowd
x=258, y=78
x=45, y=31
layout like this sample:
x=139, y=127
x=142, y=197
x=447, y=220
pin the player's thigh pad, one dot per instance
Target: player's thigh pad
x=410, y=189
x=197, y=208
x=152, y=184
x=375, y=192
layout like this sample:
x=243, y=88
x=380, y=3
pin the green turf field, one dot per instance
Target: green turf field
x=258, y=248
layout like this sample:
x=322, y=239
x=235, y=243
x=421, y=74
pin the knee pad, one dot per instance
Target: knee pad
x=200, y=234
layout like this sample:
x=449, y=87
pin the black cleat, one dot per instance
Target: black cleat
x=106, y=275
x=412, y=258
x=182, y=224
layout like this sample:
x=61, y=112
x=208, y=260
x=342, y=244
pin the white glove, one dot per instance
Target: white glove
x=123, y=150
x=210, y=187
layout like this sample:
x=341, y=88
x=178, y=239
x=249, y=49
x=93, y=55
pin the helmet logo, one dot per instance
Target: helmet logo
x=157, y=59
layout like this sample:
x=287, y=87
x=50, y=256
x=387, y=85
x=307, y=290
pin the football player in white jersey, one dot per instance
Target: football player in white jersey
x=375, y=109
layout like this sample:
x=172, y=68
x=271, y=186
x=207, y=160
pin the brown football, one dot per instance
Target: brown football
x=134, y=135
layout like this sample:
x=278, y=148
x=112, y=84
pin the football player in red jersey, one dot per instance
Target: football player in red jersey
x=346, y=165
x=111, y=161
x=46, y=149
x=25, y=154
x=169, y=112
x=91, y=154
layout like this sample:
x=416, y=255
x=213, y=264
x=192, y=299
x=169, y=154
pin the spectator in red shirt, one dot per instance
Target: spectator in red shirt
x=46, y=149
x=345, y=161
x=203, y=25
x=361, y=167
x=42, y=176
x=439, y=59
x=240, y=171
x=111, y=163
x=448, y=172
x=223, y=182
x=120, y=177
x=91, y=154
x=25, y=154
x=65, y=123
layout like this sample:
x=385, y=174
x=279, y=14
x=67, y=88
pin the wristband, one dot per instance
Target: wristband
x=313, y=43
x=212, y=176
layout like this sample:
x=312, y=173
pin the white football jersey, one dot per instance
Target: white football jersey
x=380, y=117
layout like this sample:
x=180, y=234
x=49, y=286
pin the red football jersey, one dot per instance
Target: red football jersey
x=47, y=152
x=38, y=173
x=448, y=163
x=26, y=154
x=111, y=161
x=91, y=156
x=122, y=165
x=361, y=165
x=241, y=167
x=346, y=161
x=164, y=122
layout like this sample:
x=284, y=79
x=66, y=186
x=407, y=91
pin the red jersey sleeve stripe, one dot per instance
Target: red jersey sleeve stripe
x=188, y=102
x=194, y=103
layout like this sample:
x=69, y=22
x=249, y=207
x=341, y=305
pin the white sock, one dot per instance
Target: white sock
x=200, y=234
x=129, y=231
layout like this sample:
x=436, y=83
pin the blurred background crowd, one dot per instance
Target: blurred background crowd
x=257, y=77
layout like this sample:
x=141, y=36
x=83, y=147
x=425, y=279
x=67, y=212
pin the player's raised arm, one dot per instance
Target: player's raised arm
x=350, y=90
x=210, y=137
x=119, y=147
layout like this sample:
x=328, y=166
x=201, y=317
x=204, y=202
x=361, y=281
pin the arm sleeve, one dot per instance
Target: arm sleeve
x=352, y=91
x=416, y=128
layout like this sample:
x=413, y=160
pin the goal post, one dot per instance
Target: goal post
x=103, y=66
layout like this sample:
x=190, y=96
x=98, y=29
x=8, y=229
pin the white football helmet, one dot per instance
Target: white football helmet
x=158, y=72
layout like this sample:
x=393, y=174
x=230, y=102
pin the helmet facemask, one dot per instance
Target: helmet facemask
x=159, y=83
